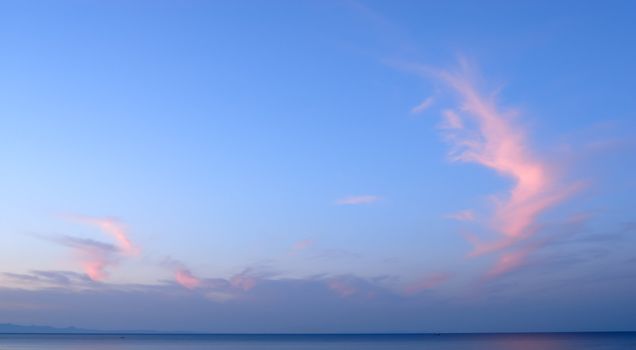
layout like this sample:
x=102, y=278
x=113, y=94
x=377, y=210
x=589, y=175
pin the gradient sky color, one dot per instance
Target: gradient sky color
x=318, y=166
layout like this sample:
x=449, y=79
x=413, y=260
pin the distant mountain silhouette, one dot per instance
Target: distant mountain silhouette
x=14, y=328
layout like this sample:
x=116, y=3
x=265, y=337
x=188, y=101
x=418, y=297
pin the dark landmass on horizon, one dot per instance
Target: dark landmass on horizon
x=10, y=328
x=14, y=328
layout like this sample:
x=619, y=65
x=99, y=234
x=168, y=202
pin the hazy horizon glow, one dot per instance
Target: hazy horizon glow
x=332, y=166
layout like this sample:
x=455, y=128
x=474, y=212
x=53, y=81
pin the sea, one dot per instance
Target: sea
x=516, y=341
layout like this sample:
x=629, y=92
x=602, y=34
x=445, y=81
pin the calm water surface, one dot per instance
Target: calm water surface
x=578, y=341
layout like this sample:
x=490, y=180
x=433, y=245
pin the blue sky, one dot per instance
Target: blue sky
x=271, y=155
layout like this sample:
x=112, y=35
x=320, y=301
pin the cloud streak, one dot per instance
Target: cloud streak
x=424, y=105
x=95, y=256
x=185, y=278
x=111, y=227
x=47, y=279
x=182, y=274
x=358, y=200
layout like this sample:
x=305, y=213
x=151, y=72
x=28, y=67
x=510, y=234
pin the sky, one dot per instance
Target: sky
x=318, y=166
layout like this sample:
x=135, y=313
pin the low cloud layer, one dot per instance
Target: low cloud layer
x=344, y=303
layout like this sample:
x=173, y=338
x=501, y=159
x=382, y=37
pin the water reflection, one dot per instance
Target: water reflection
x=533, y=342
x=578, y=341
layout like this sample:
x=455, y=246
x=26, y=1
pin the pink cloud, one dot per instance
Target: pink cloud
x=182, y=273
x=509, y=261
x=184, y=277
x=95, y=262
x=515, y=258
x=114, y=228
x=96, y=256
x=95, y=269
x=358, y=200
x=480, y=131
x=496, y=141
x=451, y=120
x=424, y=105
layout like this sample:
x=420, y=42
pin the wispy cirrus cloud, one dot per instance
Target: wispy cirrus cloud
x=450, y=120
x=481, y=131
x=112, y=227
x=182, y=274
x=358, y=200
x=423, y=106
x=96, y=256
x=517, y=256
x=498, y=142
x=509, y=261
x=184, y=277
